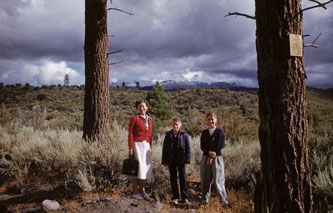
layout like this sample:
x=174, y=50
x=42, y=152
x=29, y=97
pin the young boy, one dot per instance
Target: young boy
x=212, y=166
x=176, y=155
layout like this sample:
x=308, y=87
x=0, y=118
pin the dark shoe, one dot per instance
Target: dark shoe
x=146, y=197
x=227, y=207
x=137, y=196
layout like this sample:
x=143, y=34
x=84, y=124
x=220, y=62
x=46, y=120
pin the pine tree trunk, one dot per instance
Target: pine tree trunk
x=285, y=179
x=97, y=98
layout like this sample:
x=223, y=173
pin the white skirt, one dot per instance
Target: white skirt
x=143, y=155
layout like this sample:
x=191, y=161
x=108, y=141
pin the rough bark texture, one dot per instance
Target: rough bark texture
x=96, y=99
x=285, y=180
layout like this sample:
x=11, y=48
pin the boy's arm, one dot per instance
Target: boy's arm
x=221, y=141
x=165, y=151
x=203, y=146
x=187, y=149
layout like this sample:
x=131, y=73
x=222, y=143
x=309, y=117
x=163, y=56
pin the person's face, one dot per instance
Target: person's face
x=176, y=126
x=211, y=122
x=142, y=108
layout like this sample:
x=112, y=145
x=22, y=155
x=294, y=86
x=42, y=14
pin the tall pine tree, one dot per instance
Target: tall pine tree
x=97, y=94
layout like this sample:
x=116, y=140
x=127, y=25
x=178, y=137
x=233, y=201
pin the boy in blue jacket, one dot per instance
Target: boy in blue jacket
x=176, y=155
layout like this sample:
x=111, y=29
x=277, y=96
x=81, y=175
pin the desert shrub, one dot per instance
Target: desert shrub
x=321, y=161
x=63, y=151
x=6, y=115
x=48, y=152
x=235, y=126
x=41, y=97
x=193, y=121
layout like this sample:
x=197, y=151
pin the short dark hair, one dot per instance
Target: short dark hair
x=212, y=114
x=141, y=101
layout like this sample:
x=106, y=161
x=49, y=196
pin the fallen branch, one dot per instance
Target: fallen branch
x=123, y=11
x=241, y=14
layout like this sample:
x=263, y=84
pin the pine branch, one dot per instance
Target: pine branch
x=318, y=5
x=242, y=14
x=119, y=62
x=114, y=52
x=313, y=43
x=123, y=11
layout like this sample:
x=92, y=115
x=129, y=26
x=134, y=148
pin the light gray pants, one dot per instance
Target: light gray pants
x=213, y=171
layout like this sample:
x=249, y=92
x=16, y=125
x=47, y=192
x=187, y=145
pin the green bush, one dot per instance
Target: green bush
x=159, y=103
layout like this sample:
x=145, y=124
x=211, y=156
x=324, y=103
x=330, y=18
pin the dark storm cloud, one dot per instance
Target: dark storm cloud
x=165, y=39
x=32, y=29
x=319, y=61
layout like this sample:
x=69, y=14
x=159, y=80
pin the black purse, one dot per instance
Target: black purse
x=130, y=167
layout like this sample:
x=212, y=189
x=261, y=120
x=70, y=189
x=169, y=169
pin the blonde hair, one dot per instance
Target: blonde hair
x=177, y=120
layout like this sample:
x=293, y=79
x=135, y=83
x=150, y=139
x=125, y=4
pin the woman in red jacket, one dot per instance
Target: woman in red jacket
x=140, y=143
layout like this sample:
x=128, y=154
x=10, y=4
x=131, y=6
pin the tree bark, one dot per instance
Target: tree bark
x=285, y=180
x=97, y=98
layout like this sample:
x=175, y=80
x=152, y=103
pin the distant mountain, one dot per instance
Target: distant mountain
x=170, y=85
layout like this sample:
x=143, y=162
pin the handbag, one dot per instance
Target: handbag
x=130, y=167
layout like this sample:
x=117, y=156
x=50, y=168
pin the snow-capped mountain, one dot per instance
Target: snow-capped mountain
x=174, y=85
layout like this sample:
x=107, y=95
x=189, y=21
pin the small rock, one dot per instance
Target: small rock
x=158, y=205
x=50, y=205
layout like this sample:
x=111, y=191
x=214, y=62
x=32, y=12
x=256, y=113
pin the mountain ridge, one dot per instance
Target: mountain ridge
x=171, y=85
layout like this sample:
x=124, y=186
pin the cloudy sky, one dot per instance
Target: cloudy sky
x=42, y=40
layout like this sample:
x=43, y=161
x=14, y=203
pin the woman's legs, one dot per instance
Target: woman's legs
x=135, y=186
x=142, y=186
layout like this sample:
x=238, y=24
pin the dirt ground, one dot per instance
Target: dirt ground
x=15, y=197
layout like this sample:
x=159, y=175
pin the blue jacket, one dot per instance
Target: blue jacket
x=213, y=142
x=184, y=149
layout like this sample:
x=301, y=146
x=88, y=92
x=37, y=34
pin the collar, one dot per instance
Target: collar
x=140, y=116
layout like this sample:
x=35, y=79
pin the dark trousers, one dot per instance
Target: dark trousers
x=173, y=168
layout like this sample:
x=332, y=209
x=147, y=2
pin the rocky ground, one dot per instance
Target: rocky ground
x=15, y=197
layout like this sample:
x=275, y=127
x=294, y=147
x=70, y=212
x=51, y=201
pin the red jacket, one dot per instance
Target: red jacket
x=137, y=130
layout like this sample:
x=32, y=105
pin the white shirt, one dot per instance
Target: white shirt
x=211, y=131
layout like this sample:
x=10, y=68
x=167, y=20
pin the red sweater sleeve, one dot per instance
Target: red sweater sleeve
x=130, y=132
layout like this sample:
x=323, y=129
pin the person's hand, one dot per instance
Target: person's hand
x=130, y=153
x=212, y=154
x=209, y=161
